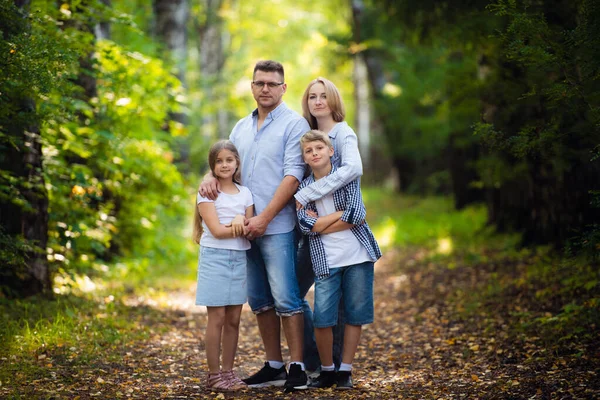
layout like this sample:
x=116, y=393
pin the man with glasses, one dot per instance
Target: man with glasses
x=272, y=168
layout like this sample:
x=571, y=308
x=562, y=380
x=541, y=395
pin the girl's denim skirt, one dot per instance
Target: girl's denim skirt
x=221, y=277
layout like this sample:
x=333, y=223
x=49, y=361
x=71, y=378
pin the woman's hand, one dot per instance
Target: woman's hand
x=311, y=213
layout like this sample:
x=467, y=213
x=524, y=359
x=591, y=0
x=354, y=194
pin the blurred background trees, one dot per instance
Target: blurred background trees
x=107, y=108
x=492, y=100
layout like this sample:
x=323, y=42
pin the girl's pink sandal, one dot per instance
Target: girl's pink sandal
x=216, y=381
x=235, y=383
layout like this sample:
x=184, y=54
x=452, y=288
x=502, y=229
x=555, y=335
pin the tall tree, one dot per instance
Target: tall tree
x=24, y=201
x=209, y=26
x=171, y=18
x=363, y=109
x=369, y=83
x=170, y=27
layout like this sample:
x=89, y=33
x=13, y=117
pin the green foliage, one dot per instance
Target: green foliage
x=567, y=290
x=12, y=251
x=108, y=161
x=547, y=119
x=115, y=193
x=432, y=223
x=305, y=38
x=32, y=55
x=113, y=181
x=429, y=53
x=557, y=71
x=416, y=110
x=522, y=76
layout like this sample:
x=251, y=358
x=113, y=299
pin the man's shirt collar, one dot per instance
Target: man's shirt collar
x=275, y=113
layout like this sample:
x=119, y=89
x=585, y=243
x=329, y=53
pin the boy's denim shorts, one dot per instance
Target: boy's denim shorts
x=355, y=283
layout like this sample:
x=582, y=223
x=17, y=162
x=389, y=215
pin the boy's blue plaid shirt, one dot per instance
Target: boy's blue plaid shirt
x=348, y=199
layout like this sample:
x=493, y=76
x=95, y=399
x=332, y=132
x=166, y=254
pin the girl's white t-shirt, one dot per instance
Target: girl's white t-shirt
x=228, y=206
x=341, y=248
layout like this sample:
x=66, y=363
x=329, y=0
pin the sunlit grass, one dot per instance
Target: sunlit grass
x=445, y=246
x=399, y=220
x=386, y=233
x=38, y=332
x=92, y=318
x=434, y=225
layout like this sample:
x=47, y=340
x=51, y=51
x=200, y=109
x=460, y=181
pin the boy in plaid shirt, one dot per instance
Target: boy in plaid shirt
x=343, y=252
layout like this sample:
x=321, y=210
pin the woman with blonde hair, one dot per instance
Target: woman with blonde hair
x=324, y=110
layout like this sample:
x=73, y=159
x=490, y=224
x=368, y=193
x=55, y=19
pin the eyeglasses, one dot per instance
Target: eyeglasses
x=271, y=85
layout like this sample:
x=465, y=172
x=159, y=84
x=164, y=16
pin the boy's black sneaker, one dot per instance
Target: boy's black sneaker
x=296, y=379
x=267, y=376
x=324, y=380
x=344, y=380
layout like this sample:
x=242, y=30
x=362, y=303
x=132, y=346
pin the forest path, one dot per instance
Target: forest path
x=419, y=347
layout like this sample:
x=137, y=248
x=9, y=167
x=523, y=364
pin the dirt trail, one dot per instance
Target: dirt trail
x=417, y=348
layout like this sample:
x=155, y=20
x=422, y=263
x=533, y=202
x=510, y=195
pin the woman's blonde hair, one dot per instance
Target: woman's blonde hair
x=334, y=101
x=214, y=151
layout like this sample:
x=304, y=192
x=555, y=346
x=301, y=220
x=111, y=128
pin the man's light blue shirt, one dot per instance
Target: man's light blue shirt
x=268, y=155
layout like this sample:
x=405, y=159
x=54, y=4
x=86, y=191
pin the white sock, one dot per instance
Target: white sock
x=345, y=367
x=328, y=367
x=276, y=364
x=301, y=364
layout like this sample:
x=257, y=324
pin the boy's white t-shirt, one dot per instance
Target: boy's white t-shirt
x=228, y=206
x=341, y=248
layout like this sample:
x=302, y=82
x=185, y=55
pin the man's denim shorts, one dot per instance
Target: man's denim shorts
x=272, y=281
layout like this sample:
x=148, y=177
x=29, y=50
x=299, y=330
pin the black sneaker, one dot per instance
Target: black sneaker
x=324, y=380
x=267, y=376
x=344, y=380
x=296, y=379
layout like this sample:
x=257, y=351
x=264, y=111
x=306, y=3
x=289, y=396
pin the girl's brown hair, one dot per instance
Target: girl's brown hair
x=214, y=151
x=334, y=101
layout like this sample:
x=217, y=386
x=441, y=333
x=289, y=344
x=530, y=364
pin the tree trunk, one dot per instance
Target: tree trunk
x=461, y=159
x=35, y=223
x=463, y=147
x=171, y=28
x=24, y=161
x=369, y=69
x=212, y=59
x=363, y=111
x=171, y=19
x=102, y=29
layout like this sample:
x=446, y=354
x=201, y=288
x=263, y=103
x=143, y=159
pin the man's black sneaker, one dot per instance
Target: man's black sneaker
x=267, y=376
x=344, y=380
x=296, y=379
x=324, y=380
